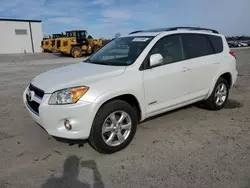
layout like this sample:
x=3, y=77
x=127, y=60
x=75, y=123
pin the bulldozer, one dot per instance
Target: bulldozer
x=76, y=44
x=48, y=44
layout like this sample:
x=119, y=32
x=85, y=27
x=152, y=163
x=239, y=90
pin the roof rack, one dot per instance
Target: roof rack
x=136, y=32
x=174, y=29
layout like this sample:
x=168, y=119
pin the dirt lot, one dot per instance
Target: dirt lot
x=190, y=147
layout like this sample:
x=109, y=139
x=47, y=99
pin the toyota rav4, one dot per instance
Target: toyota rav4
x=132, y=78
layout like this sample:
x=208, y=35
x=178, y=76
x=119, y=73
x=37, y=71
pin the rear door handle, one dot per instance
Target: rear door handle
x=216, y=62
x=185, y=69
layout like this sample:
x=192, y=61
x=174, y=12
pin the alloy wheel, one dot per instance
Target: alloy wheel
x=116, y=128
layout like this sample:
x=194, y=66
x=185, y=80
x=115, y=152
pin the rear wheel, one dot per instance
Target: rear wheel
x=114, y=127
x=76, y=52
x=219, y=96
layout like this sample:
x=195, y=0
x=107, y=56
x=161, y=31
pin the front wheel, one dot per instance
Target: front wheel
x=114, y=127
x=219, y=96
x=76, y=52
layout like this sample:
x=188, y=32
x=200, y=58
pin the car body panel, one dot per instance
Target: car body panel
x=78, y=74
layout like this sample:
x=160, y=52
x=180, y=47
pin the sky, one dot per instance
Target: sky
x=105, y=18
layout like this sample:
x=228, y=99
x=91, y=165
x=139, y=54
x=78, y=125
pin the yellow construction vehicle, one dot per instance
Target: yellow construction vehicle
x=48, y=44
x=77, y=44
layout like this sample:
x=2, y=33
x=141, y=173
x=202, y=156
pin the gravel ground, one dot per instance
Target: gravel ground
x=189, y=147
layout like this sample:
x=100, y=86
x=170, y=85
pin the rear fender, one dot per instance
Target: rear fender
x=218, y=75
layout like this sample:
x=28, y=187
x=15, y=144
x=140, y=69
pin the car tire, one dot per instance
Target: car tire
x=76, y=52
x=219, y=96
x=100, y=139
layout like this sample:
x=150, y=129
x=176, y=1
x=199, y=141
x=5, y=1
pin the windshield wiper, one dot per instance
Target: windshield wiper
x=95, y=62
x=106, y=63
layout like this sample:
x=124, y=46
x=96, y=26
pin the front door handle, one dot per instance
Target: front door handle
x=185, y=69
x=216, y=62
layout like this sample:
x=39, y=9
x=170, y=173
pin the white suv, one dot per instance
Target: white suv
x=130, y=79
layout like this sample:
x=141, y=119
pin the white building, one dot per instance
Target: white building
x=20, y=36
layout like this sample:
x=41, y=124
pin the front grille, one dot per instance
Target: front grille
x=58, y=44
x=33, y=105
x=38, y=92
x=65, y=43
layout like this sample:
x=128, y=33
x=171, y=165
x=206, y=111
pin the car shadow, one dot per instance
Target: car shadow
x=57, y=54
x=70, y=175
x=70, y=142
x=231, y=104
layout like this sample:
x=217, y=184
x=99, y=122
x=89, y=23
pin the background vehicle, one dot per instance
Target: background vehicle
x=48, y=44
x=76, y=43
x=54, y=37
x=58, y=43
x=132, y=78
x=235, y=44
x=243, y=44
x=248, y=42
x=232, y=44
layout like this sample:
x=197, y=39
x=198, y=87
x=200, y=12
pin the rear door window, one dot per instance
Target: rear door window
x=217, y=43
x=196, y=45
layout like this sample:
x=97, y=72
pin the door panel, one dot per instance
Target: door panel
x=200, y=55
x=201, y=74
x=166, y=86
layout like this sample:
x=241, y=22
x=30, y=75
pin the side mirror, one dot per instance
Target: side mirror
x=155, y=59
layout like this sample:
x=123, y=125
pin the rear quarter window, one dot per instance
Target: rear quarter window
x=217, y=43
x=196, y=45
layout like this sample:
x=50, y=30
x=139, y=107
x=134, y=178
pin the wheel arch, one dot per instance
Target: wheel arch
x=226, y=75
x=130, y=98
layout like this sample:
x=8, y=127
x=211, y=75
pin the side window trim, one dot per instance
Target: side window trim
x=145, y=63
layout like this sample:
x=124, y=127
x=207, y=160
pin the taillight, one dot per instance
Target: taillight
x=233, y=54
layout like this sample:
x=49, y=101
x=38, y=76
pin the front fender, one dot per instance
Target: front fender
x=103, y=98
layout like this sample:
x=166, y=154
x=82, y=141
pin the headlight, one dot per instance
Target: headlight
x=67, y=96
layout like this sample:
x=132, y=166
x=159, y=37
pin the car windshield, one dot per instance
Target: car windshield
x=120, y=51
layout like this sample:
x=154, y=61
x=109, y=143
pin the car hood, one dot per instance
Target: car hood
x=79, y=74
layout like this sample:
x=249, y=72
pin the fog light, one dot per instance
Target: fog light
x=67, y=125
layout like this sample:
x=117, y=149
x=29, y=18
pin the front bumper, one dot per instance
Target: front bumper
x=52, y=117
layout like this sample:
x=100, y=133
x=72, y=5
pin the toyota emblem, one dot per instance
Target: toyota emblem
x=31, y=95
